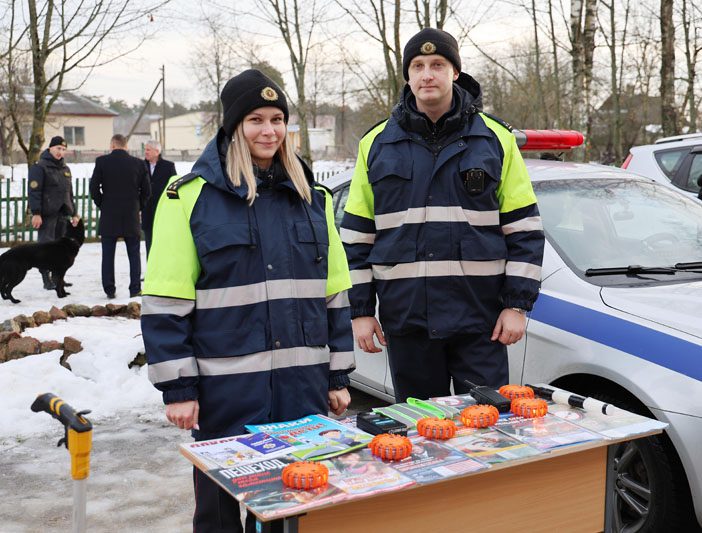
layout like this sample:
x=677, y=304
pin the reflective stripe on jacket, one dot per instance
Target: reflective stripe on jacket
x=245, y=307
x=440, y=257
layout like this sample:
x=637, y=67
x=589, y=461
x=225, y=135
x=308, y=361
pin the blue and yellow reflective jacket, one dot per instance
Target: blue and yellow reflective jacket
x=441, y=221
x=245, y=308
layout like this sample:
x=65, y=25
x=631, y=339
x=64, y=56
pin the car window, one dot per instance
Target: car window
x=340, y=195
x=612, y=223
x=694, y=175
x=670, y=160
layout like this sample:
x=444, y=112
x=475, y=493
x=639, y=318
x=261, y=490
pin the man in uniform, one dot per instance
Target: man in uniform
x=51, y=197
x=160, y=171
x=441, y=224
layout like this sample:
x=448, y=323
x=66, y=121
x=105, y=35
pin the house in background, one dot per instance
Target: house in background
x=87, y=126
x=187, y=134
x=322, y=134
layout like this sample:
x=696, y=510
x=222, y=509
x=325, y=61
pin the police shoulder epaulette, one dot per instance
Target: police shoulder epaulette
x=373, y=127
x=501, y=122
x=318, y=185
x=172, y=189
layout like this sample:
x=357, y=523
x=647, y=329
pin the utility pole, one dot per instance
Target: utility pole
x=163, y=108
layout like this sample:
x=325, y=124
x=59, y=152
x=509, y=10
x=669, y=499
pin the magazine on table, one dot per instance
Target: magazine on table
x=360, y=473
x=260, y=486
x=431, y=460
x=238, y=450
x=619, y=425
x=491, y=446
x=458, y=402
x=315, y=437
x=545, y=433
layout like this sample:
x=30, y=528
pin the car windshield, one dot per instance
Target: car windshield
x=608, y=223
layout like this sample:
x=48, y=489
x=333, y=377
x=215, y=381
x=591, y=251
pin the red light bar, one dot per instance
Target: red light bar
x=548, y=140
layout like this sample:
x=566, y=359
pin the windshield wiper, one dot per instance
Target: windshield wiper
x=688, y=266
x=631, y=270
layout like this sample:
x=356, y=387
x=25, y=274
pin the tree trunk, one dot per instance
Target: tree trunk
x=668, y=112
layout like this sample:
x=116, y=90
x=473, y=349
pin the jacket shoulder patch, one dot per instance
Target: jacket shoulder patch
x=501, y=122
x=172, y=189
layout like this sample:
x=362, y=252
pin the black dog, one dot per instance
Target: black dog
x=55, y=256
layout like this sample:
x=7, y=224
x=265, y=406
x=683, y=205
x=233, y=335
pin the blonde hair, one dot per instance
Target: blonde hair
x=240, y=164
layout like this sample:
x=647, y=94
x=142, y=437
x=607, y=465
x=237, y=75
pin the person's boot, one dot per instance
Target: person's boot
x=49, y=284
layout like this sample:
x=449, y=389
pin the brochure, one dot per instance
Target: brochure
x=432, y=460
x=259, y=485
x=546, y=432
x=619, y=425
x=458, y=402
x=491, y=446
x=231, y=451
x=361, y=473
x=315, y=437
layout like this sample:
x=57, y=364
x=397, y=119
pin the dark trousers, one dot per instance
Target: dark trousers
x=423, y=368
x=109, y=244
x=52, y=228
x=218, y=512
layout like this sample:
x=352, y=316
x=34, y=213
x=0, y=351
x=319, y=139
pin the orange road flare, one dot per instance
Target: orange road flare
x=529, y=407
x=436, y=428
x=305, y=475
x=480, y=416
x=390, y=447
x=516, y=391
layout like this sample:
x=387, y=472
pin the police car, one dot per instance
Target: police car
x=619, y=318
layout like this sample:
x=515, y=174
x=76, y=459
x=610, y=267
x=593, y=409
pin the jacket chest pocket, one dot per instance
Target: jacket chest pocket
x=391, y=180
x=224, y=244
x=479, y=177
x=311, y=247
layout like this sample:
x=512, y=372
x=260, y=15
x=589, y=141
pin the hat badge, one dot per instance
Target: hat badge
x=270, y=94
x=428, y=48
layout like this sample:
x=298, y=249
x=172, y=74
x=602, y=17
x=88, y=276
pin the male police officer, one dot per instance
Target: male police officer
x=51, y=197
x=441, y=224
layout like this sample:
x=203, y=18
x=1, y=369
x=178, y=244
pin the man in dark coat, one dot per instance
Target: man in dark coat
x=160, y=171
x=120, y=188
x=51, y=197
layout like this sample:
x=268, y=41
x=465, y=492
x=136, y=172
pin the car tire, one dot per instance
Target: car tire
x=648, y=489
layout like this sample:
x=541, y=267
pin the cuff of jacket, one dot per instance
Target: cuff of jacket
x=338, y=379
x=180, y=395
x=521, y=303
x=36, y=212
x=362, y=311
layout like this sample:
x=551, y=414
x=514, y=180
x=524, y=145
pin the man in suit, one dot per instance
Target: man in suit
x=120, y=188
x=160, y=171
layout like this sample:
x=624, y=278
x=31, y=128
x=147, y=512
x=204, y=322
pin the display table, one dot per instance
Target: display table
x=558, y=488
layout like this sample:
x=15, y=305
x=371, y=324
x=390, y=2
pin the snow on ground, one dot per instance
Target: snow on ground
x=100, y=379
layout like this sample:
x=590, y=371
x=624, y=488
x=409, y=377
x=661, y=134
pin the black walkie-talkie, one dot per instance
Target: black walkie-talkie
x=489, y=396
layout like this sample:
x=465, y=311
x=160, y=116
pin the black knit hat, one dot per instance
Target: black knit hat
x=431, y=41
x=58, y=140
x=248, y=91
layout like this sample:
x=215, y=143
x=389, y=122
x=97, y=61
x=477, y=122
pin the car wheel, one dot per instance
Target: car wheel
x=647, y=487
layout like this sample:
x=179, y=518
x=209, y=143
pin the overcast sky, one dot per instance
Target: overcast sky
x=134, y=76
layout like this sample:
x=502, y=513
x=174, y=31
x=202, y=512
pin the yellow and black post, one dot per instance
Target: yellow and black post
x=78, y=440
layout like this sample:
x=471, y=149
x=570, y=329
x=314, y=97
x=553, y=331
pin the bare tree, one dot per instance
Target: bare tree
x=691, y=21
x=297, y=24
x=212, y=62
x=616, y=63
x=65, y=37
x=668, y=111
x=423, y=10
x=583, y=24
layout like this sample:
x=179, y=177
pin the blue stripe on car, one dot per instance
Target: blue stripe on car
x=645, y=343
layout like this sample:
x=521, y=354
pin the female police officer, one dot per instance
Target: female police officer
x=245, y=315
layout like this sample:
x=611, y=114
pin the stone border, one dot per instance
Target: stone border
x=14, y=346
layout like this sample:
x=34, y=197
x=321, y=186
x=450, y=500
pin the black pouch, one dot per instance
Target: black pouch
x=474, y=180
